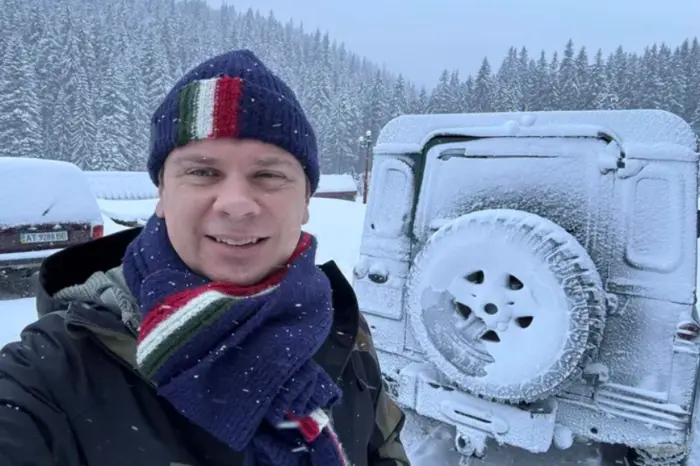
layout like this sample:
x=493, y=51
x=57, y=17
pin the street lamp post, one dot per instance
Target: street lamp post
x=366, y=143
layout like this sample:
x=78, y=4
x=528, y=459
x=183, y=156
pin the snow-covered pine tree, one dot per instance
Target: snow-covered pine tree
x=20, y=125
x=508, y=91
x=465, y=95
x=113, y=141
x=420, y=105
x=599, y=89
x=440, y=98
x=399, y=104
x=155, y=70
x=568, y=85
x=484, y=89
x=582, y=72
x=670, y=69
x=76, y=121
x=553, y=99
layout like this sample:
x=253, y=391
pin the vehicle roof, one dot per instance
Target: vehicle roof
x=634, y=130
x=34, y=191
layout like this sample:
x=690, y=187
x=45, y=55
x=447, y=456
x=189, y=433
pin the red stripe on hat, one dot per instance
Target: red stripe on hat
x=227, y=98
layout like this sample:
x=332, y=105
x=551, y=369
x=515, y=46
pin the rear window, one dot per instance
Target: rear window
x=38, y=191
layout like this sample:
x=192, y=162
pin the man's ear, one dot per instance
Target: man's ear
x=159, y=205
x=305, y=218
x=159, y=209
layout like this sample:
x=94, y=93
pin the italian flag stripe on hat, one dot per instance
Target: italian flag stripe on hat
x=209, y=108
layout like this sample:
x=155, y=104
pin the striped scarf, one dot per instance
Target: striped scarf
x=237, y=361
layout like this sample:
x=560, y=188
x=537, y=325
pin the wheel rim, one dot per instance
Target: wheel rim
x=514, y=322
x=512, y=251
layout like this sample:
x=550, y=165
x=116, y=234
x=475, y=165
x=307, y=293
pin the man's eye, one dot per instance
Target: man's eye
x=268, y=175
x=201, y=172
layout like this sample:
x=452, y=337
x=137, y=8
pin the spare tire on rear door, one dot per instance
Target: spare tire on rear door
x=507, y=304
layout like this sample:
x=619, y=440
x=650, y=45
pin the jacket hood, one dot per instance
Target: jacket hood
x=75, y=265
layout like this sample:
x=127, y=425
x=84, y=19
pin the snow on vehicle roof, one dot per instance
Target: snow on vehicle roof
x=121, y=185
x=336, y=184
x=34, y=191
x=638, y=131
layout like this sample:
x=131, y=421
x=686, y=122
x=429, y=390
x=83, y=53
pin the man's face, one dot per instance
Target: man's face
x=234, y=209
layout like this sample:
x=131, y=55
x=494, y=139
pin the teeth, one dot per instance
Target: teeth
x=243, y=242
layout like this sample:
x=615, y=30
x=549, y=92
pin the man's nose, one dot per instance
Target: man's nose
x=236, y=199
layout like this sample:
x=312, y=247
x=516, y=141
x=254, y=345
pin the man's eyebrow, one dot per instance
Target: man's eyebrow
x=263, y=162
x=195, y=158
x=273, y=161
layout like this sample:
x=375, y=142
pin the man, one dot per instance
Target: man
x=209, y=337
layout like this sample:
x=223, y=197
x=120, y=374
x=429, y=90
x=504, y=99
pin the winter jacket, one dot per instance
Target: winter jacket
x=71, y=395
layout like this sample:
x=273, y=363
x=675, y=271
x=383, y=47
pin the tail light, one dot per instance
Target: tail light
x=98, y=231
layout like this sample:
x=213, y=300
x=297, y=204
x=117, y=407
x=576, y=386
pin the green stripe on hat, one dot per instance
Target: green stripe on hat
x=187, y=107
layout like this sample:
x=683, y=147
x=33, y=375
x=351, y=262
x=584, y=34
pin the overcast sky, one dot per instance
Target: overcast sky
x=420, y=38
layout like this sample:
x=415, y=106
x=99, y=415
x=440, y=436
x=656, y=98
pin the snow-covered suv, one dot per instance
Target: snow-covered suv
x=530, y=277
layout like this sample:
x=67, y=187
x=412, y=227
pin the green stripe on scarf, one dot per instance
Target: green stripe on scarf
x=177, y=339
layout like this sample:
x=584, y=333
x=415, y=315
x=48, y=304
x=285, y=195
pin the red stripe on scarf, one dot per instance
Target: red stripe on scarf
x=167, y=308
x=227, y=98
x=307, y=426
x=310, y=430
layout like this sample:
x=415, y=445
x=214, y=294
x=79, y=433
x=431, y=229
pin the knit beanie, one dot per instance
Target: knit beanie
x=232, y=95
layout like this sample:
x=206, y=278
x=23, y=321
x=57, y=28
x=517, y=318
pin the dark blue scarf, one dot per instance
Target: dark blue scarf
x=238, y=360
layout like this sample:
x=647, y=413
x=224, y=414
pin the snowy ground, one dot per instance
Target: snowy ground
x=338, y=226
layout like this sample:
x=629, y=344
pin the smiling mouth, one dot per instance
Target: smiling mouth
x=238, y=243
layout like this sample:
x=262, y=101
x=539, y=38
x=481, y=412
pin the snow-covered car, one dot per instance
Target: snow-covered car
x=530, y=277
x=45, y=206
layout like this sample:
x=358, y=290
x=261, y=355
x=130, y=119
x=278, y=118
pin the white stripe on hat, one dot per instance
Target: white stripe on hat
x=204, y=119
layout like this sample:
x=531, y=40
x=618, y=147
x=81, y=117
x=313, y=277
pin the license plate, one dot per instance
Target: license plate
x=47, y=237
